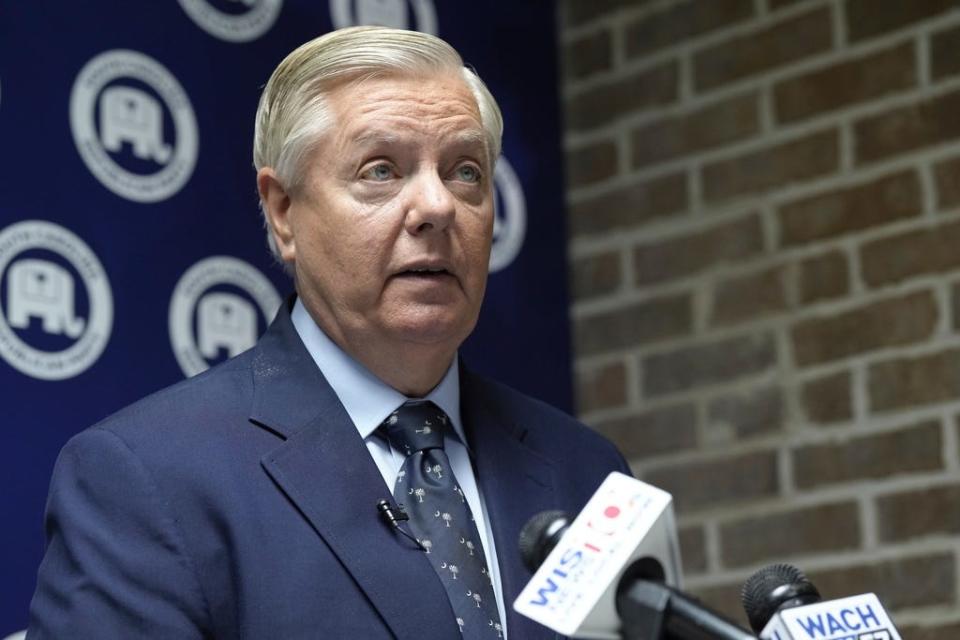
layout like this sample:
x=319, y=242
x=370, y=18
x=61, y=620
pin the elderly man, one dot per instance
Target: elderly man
x=258, y=500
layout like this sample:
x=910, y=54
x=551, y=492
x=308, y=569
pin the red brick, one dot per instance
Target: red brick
x=680, y=22
x=933, y=631
x=716, y=483
x=947, y=175
x=705, y=364
x=746, y=415
x=712, y=126
x=602, y=387
x=653, y=432
x=921, y=124
x=914, y=253
x=955, y=305
x=606, y=103
x=591, y=163
x=797, y=160
x=850, y=209
x=576, y=12
x=775, y=536
x=869, y=18
x=913, y=514
x=684, y=256
x=787, y=41
x=749, y=297
x=944, y=61
x=596, y=275
x=887, y=323
x=693, y=549
x=824, y=277
x=846, y=83
x=630, y=207
x=724, y=599
x=908, y=382
x=881, y=456
x=828, y=398
x=637, y=324
x=588, y=54
x=910, y=581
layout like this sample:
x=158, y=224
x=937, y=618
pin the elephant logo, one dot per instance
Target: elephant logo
x=385, y=13
x=234, y=26
x=225, y=320
x=44, y=290
x=510, y=219
x=129, y=115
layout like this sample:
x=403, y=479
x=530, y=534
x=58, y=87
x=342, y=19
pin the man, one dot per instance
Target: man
x=254, y=500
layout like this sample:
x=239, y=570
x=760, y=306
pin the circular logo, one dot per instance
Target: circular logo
x=216, y=311
x=510, y=221
x=133, y=125
x=57, y=304
x=238, y=21
x=418, y=15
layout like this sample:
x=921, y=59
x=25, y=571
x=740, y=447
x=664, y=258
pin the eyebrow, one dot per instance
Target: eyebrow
x=373, y=137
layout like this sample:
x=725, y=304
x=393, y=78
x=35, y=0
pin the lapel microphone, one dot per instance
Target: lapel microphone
x=393, y=516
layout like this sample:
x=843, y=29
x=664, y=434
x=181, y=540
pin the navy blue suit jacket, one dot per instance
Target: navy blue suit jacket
x=241, y=504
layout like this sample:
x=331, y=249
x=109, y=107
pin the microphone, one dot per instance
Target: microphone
x=782, y=604
x=605, y=574
x=393, y=517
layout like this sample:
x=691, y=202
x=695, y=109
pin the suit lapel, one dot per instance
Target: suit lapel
x=324, y=468
x=516, y=484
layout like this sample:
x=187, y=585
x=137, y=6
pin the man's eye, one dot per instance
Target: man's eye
x=379, y=172
x=468, y=173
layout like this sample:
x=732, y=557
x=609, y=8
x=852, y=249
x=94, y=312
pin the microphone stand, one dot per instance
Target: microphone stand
x=653, y=611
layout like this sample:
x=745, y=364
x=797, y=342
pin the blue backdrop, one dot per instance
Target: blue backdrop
x=131, y=248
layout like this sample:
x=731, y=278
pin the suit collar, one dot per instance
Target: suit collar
x=292, y=399
x=516, y=482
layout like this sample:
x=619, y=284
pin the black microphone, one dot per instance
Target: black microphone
x=634, y=600
x=393, y=516
x=782, y=604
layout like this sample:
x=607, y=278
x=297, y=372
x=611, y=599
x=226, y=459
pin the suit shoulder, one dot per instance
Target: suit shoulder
x=549, y=428
x=218, y=394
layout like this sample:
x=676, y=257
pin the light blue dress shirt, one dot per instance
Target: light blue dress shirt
x=368, y=401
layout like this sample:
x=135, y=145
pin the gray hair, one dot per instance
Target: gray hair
x=293, y=110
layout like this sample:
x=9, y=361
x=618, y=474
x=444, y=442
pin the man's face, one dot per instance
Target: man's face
x=391, y=232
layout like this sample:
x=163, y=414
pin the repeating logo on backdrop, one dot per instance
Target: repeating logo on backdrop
x=417, y=15
x=233, y=20
x=218, y=308
x=510, y=221
x=56, y=301
x=133, y=125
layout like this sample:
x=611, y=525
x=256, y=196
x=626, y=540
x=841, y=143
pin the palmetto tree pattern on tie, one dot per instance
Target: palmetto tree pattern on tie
x=440, y=517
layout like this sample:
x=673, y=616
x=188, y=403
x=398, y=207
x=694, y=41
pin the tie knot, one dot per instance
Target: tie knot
x=415, y=426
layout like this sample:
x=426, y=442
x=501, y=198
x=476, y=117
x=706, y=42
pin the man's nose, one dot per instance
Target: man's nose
x=432, y=207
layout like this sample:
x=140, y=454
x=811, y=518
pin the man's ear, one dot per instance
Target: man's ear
x=276, y=206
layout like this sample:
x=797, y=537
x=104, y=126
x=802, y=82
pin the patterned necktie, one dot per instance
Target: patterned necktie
x=440, y=516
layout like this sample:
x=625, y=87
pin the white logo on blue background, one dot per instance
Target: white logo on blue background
x=416, y=15
x=133, y=125
x=233, y=20
x=217, y=310
x=510, y=221
x=57, y=303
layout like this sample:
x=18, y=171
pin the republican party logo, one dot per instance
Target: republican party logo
x=233, y=20
x=510, y=221
x=133, y=125
x=219, y=308
x=416, y=15
x=57, y=307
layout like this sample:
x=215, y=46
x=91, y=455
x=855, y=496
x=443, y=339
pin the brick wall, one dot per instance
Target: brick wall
x=764, y=219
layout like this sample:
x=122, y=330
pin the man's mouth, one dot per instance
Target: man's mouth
x=424, y=273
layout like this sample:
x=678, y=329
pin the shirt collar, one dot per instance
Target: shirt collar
x=367, y=399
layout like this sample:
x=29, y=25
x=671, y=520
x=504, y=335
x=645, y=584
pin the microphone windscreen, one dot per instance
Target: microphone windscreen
x=773, y=588
x=538, y=537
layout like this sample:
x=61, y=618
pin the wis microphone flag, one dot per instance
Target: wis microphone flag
x=574, y=590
